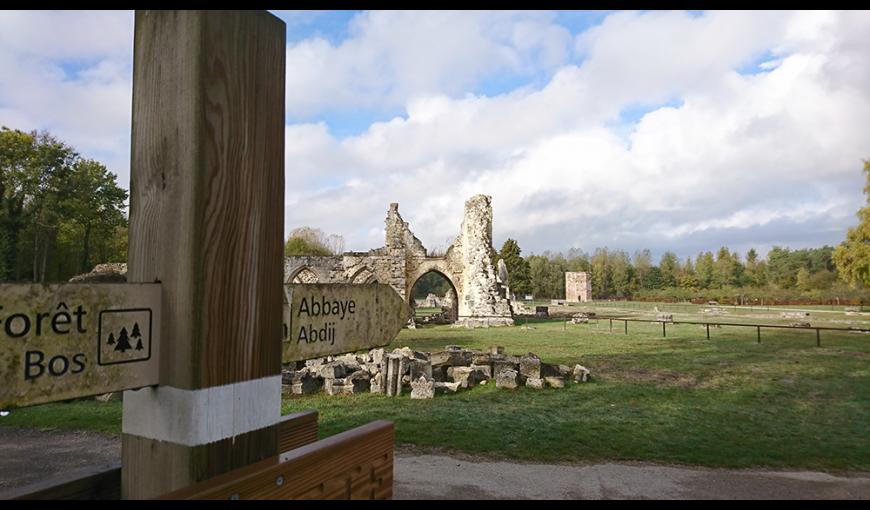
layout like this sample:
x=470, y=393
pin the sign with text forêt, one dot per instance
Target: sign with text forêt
x=326, y=319
x=74, y=340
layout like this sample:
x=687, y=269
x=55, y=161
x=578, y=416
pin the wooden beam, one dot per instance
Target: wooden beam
x=206, y=220
x=355, y=464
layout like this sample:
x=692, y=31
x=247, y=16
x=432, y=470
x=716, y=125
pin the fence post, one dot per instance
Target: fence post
x=626, y=326
x=663, y=330
x=759, y=333
x=708, y=330
x=818, y=338
x=206, y=220
x=611, y=325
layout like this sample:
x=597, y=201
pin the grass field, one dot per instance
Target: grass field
x=422, y=311
x=726, y=402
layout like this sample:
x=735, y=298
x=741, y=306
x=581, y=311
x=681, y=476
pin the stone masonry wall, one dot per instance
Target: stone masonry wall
x=578, y=287
x=467, y=265
x=481, y=302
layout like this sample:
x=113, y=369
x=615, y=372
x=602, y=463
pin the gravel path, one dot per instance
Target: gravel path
x=29, y=455
x=444, y=477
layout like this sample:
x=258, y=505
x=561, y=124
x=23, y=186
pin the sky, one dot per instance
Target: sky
x=665, y=130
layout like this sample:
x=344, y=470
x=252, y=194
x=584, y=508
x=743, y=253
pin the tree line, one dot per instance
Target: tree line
x=60, y=213
x=785, y=274
x=816, y=274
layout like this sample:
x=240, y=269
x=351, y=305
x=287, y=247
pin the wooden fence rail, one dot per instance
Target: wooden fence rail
x=818, y=329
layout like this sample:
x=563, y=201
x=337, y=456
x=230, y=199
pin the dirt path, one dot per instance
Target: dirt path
x=28, y=456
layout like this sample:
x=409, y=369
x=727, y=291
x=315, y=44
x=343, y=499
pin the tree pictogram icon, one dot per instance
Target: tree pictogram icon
x=123, y=341
x=136, y=335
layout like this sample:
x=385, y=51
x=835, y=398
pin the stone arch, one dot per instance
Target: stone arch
x=304, y=275
x=467, y=265
x=439, y=265
x=362, y=275
x=452, y=293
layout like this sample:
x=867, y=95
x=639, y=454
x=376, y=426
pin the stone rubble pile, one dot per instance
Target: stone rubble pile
x=426, y=374
x=582, y=317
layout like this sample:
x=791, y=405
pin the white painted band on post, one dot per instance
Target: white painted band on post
x=197, y=417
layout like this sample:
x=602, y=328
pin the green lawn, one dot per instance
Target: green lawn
x=422, y=311
x=727, y=402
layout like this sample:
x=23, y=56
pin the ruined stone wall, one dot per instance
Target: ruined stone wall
x=399, y=236
x=481, y=302
x=467, y=265
x=311, y=269
x=578, y=287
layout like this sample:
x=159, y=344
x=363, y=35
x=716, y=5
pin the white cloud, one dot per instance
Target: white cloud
x=782, y=147
x=393, y=56
x=70, y=73
x=736, y=159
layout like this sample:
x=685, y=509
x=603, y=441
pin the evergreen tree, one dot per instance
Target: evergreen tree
x=723, y=270
x=517, y=267
x=704, y=269
x=751, y=271
x=669, y=266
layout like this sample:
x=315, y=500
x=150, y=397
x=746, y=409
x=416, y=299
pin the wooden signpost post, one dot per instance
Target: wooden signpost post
x=65, y=341
x=326, y=319
x=199, y=330
x=207, y=221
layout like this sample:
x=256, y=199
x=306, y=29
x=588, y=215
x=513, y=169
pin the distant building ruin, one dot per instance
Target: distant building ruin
x=578, y=287
x=467, y=266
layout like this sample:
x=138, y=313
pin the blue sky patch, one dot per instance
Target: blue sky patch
x=330, y=25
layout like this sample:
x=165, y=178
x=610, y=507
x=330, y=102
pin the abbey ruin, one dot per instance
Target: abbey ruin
x=477, y=295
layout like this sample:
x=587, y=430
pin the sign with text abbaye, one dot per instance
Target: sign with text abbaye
x=334, y=318
x=65, y=341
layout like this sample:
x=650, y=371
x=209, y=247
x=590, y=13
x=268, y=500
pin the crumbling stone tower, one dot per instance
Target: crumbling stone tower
x=476, y=295
x=481, y=303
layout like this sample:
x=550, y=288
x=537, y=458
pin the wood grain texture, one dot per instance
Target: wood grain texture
x=152, y=467
x=355, y=464
x=89, y=483
x=206, y=218
x=88, y=364
x=207, y=183
x=297, y=429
